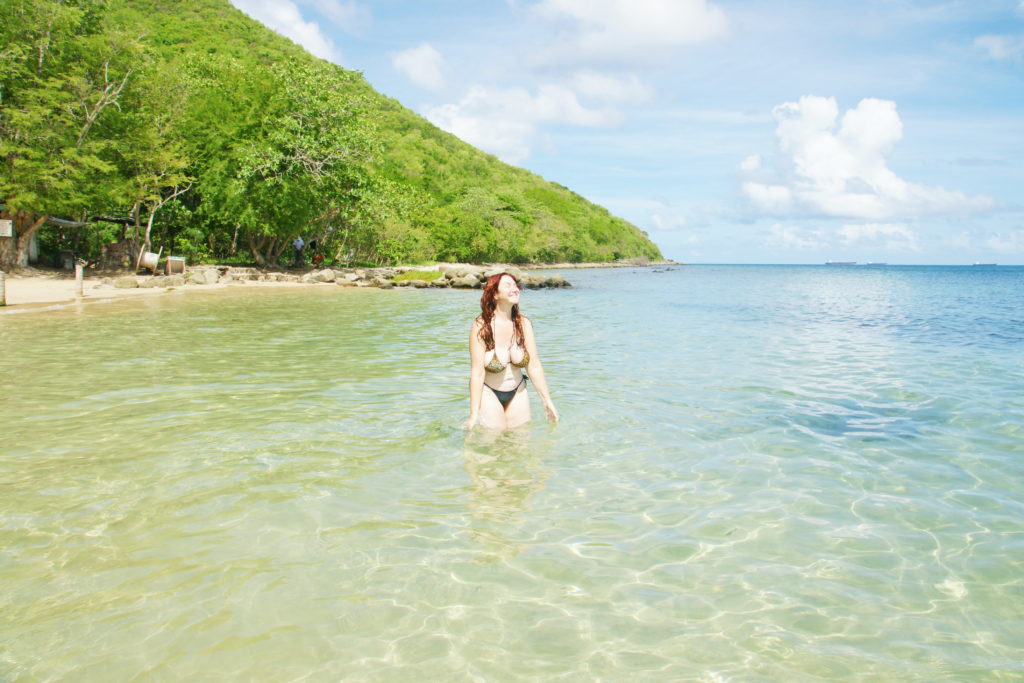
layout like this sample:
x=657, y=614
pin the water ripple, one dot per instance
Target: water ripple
x=761, y=473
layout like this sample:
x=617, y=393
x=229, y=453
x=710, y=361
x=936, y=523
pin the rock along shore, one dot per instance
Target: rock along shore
x=444, y=276
x=36, y=289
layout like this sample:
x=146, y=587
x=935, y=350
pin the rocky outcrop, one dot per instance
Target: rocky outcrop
x=126, y=282
x=457, y=276
x=206, y=276
x=448, y=276
x=463, y=276
x=325, y=275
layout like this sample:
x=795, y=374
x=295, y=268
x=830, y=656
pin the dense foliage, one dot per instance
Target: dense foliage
x=186, y=125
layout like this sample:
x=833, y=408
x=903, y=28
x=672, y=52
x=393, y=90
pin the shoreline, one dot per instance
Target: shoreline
x=600, y=264
x=35, y=294
x=37, y=289
x=34, y=289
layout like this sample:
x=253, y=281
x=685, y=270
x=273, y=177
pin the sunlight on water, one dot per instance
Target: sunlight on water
x=785, y=473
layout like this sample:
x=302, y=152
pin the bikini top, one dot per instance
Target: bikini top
x=495, y=365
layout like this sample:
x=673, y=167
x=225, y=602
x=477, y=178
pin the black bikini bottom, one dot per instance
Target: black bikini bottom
x=505, y=397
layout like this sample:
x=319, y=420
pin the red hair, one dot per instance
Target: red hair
x=488, y=304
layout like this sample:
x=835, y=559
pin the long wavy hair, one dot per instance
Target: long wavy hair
x=488, y=304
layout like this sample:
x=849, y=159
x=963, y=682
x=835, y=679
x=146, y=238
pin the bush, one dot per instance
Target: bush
x=425, y=275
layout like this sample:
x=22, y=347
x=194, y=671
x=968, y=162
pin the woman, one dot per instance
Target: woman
x=501, y=345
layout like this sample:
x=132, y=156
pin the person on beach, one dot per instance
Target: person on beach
x=298, y=244
x=501, y=345
x=318, y=258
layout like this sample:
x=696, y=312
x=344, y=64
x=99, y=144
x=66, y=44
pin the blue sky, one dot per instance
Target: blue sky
x=738, y=131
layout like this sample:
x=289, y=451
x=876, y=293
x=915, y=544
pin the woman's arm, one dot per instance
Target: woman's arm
x=476, y=373
x=536, y=371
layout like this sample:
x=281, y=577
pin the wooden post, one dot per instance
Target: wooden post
x=78, y=280
x=3, y=288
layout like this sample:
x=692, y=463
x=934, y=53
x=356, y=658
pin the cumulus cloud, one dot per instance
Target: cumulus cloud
x=284, y=17
x=504, y=121
x=588, y=80
x=839, y=168
x=629, y=31
x=887, y=235
x=423, y=65
x=1001, y=48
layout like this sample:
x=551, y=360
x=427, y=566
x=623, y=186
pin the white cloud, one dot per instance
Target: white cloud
x=1001, y=47
x=888, y=235
x=630, y=31
x=794, y=237
x=666, y=219
x=346, y=15
x=284, y=17
x=658, y=214
x=771, y=198
x=1010, y=243
x=511, y=121
x=601, y=86
x=504, y=121
x=751, y=163
x=839, y=168
x=422, y=65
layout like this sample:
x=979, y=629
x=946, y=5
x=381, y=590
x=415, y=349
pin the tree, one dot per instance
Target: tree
x=289, y=156
x=111, y=107
x=62, y=76
x=152, y=157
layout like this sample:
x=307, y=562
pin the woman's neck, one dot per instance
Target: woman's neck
x=503, y=312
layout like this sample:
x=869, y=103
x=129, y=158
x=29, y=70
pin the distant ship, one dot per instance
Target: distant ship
x=840, y=263
x=983, y=264
x=876, y=263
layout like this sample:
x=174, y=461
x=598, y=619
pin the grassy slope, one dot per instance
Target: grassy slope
x=513, y=214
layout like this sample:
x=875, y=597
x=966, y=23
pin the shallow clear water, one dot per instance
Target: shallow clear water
x=782, y=473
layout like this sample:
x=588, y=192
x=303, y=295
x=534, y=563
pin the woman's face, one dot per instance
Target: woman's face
x=508, y=290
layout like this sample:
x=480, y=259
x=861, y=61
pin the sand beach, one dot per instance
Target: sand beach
x=37, y=290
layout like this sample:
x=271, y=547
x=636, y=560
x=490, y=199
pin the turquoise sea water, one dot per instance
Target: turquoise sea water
x=761, y=473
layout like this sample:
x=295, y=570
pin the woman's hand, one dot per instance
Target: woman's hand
x=471, y=422
x=549, y=408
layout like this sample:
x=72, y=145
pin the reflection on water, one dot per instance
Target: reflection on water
x=505, y=472
x=763, y=473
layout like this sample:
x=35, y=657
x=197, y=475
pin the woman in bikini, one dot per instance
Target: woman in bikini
x=501, y=345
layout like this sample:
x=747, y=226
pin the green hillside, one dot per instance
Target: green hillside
x=222, y=140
